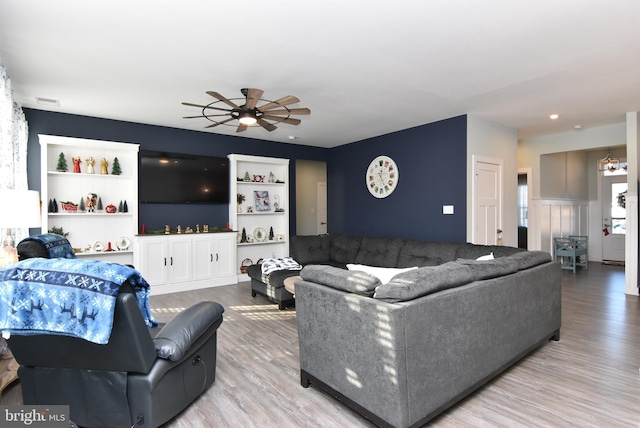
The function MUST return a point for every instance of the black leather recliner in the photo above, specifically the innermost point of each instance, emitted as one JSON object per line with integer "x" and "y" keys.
{"x": 135, "y": 379}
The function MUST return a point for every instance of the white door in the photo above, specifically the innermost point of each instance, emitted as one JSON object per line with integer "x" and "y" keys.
{"x": 614, "y": 190}
{"x": 322, "y": 208}
{"x": 487, "y": 202}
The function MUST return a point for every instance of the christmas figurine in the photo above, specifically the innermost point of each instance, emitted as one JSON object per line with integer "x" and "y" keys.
{"x": 90, "y": 163}
{"x": 76, "y": 163}
{"x": 103, "y": 166}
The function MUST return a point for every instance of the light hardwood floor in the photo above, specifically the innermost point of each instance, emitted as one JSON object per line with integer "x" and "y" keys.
{"x": 590, "y": 378}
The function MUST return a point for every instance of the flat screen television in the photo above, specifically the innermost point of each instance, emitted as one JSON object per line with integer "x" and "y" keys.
{"x": 177, "y": 178}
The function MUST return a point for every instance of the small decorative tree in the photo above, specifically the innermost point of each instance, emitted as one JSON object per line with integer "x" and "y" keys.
{"x": 244, "y": 235}
{"x": 62, "y": 163}
{"x": 81, "y": 206}
{"x": 115, "y": 168}
{"x": 125, "y": 207}
{"x": 99, "y": 206}
{"x": 271, "y": 233}
{"x": 120, "y": 207}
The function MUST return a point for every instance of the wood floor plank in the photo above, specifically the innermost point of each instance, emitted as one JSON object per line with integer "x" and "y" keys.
{"x": 590, "y": 378}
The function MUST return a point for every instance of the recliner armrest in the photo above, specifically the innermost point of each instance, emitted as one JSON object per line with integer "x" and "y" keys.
{"x": 174, "y": 340}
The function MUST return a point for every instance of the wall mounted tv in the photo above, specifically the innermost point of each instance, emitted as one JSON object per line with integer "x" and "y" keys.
{"x": 176, "y": 178}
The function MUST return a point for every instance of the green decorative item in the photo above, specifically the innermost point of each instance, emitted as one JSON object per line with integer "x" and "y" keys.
{"x": 99, "y": 206}
{"x": 58, "y": 231}
{"x": 125, "y": 207}
{"x": 244, "y": 235}
{"x": 115, "y": 168}
{"x": 271, "y": 233}
{"x": 81, "y": 206}
{"x": 62, "y": 163}
{"x": 120, "y": 207}
{"x": 247, "y": 177}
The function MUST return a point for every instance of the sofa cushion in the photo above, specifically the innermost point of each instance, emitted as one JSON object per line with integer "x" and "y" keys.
{"x": 310, "y": 249}
{"x": 379, "y": 252}
{"x": 425, "y": 280}
{"x": 528, "y": 259}
{"x": 485, "y": 269}
{"x": 344, "y": 248}
{"x": 384, "y": 274}
{"x": 473, "y": 251}
{"x": 357, "y": 282}
{"x": 420, "y": 253}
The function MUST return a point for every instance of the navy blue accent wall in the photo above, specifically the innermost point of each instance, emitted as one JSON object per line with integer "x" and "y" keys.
{"x": 432, "y": 161}
{"x": 151, "y": 137}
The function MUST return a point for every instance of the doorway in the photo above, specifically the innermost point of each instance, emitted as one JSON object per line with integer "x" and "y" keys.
{"x": 311, "y": 197}
{"x": 614, "y": 227}
{"x": 487, "y": 201}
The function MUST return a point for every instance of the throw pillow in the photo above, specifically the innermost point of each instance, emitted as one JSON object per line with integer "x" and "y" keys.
{"x": 383, "y": 274}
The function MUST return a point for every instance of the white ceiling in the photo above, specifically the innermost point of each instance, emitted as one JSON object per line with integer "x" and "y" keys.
{"x": 364, "y": 68}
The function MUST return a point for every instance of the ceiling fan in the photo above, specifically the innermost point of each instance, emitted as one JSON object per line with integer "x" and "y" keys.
{"x": 247, "y": 112}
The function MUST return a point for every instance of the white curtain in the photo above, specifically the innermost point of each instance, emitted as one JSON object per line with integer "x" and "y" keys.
{"x": 14, "y": 134}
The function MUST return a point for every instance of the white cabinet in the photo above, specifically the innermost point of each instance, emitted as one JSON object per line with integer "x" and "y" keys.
{"x": 86, "y": 229}
{"x": 264, "y": 183}
{"x": 180, "y": 262}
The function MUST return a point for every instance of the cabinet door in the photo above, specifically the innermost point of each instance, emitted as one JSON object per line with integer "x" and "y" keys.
{"x": 153, "y": 261}
{"x": 225, "y": 255}
{"x": 180, "y": 265}
{"x": 203, "y": 258}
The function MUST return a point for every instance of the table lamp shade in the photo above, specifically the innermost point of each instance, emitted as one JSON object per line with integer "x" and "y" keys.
{"x": 19, "y": 208}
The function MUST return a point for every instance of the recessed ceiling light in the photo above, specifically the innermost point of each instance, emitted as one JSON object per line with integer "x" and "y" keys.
{"x": 554, "y": 116}
{"x": 292, "y": 137}
{"x": 48, "y": 102}
{"x": 577, "y": 127}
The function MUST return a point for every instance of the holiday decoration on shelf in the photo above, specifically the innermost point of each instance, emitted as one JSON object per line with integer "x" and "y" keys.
{"x": 115, "y": 168}
{"x": 271, "y": 233}
{"x": 58, "y": 231}
{"x": 125, "y": 207}
{"x": 91, "y": 200}
{"x": 82, "y": 206}
{"x": 90, "y": 163}
{"x": 55, "y": 206}
{"x": 111, "y": 209}
{"x": 76, "y": 164}
{"x": 69, "y": 206}
{"x": 244, "y": 235}
{"x": 103, "y": 166}
{"x": 247, "y": 177}
{"x": 99, "y": 207}
{"x": 62, "y": 163}
{"x": 120, "y": 208}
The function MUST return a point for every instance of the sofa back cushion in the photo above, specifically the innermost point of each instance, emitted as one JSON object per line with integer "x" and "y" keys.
{"x": 310, "y": 249}
{"x": 381, "y": 252}
{"x": 528, "y": 259}
{"x": 421, "y": 253}
{"x": 425, "y": 280}
{"x": 357, "y": 282}
{"x": 485, "y": 269}
{"x": 344, "y": 248}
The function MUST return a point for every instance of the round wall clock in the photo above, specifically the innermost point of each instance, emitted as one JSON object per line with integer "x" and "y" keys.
{"x": 382, "y": 176}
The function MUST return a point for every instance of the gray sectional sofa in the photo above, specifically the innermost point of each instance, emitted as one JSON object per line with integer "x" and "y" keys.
{"x": 402, "y": 352}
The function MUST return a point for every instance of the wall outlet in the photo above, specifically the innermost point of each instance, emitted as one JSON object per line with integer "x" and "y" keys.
{"x": 447, "y": 209}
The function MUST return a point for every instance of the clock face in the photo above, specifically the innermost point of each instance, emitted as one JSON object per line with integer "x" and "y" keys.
{"x": 382, "y": 176}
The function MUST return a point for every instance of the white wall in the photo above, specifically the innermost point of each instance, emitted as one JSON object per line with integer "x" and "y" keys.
{"x": 491, "y": 140}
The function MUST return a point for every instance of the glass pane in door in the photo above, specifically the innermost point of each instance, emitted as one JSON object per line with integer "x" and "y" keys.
{"x": 618, "y": 208}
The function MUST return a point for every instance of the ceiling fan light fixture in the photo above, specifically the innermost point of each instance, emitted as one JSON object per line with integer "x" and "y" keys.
{"x": 247, "y": 118}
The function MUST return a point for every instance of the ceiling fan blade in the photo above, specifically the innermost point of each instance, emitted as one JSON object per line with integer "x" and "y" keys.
{"x": 223, "y": 99}
{"x": 266, "y": 125}
{"x": 201, "y": 106}
{"x": 220, "y": 123}
{"x": 291, "y": 111}
{"x": 204, "y": 115}
{"x": 289, "y": 120}
{"x": 284, "y": 101}
{"x": 253, "y": 96}
{"x": 241, "y": 127}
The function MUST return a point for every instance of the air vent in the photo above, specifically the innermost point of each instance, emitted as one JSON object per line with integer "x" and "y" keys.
{"x": 48, "y": 102}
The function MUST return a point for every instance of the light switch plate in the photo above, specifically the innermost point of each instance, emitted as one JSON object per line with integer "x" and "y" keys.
{"x": 447, "y": 209}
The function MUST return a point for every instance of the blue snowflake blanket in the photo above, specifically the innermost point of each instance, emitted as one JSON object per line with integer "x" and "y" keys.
{"x": 72, "y": 297}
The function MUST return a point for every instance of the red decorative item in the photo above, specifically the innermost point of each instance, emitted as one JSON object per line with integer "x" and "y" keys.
{"x": 109, "y": 247}
{"x": 111, "y": 209}
{"x": 144, "y": 229}
{"x": 605, "y": 231}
